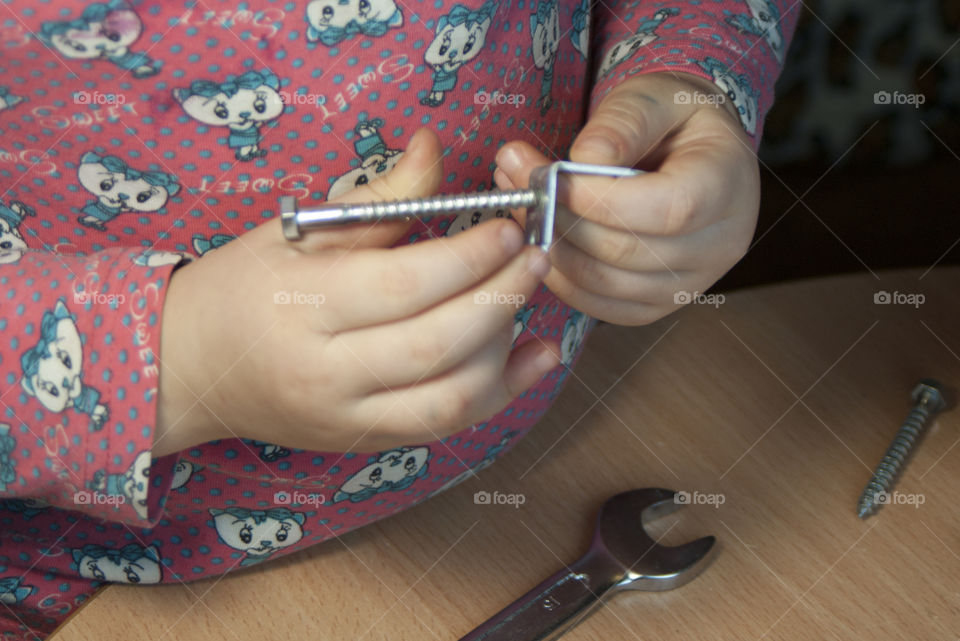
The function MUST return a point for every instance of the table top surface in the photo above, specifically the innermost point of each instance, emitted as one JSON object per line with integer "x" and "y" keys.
{"x": 773, "y": 407}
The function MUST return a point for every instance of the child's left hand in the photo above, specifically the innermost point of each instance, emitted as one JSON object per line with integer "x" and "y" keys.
{"x": 633, "y": 246}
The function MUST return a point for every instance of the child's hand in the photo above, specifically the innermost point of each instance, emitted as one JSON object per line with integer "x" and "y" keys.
{"x": 339, "y": 342}
{"x": 637, "y": 244}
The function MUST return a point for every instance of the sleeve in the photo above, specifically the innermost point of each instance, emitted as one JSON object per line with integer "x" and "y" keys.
{"x": 739, "y": 45}
{"x": 79, "y": 341}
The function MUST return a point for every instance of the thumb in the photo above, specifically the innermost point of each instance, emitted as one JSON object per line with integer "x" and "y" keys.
{"x": 626, "y": 125}
{"x": 417, "y": 174}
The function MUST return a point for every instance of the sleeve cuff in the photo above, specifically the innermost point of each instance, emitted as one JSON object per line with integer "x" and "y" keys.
{"x": 84, "y": 354}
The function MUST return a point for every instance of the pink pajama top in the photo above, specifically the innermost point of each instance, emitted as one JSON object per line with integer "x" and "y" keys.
{"x": 134, "y": 135}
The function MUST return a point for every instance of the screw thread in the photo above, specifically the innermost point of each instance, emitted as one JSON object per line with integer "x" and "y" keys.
{"x": 445, "y": 204}
{"x": 890, "y": 466}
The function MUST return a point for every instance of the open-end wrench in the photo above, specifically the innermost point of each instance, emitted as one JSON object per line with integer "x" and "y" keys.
{"x": 540, "y": 201}
{"x": 622, "y": 556}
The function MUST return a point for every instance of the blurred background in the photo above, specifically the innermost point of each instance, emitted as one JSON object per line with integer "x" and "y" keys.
{"x": 860, "y": 161}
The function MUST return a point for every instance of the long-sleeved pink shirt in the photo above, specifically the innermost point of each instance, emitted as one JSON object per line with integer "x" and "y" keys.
{"x": 133, "y": 134}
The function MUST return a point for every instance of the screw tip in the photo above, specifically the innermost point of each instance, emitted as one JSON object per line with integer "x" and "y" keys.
{"x": 866, "y": 508}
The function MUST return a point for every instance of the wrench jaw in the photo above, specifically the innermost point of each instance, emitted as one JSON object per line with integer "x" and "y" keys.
{"x": 646, "y": 564}
{"x": 675, "y": 567}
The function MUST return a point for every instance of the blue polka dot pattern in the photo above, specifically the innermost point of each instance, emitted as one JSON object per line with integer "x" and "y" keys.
{"x": 133, "y": 139}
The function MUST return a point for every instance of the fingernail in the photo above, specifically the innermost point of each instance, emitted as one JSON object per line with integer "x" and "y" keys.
{"x": 508, "y": 159}
{"x": 539, "y": 264}
{"x": 510, "y": 238}
{"x": 414, "y": 143}
{"x": 598, "y": 146}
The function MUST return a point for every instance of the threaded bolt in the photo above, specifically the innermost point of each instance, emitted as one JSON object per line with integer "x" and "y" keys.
{"x": 296, "y": 221}
{"x": 929, "y": 400}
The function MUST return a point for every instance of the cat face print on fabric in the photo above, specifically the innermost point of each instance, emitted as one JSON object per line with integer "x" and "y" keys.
{"x": 130, "y": 564}
{"x": 580, "y": 32}
{"x": 737, "y": 89}
{"x": 390, "y": 472}
{"x": 131, "y": 484}
{"x": 119, "y": 188}
{"x": 52, "y": 369}
{"x": 333, "y": 21}
{"x": 242, "y": 103}
{"x": 8, "y": 99}
{"x": 12, "y": 590}
{"x": 459, "y": 38}
{"x": 375, "y": 159}
{"x": 258, "y": 533}
{"x": 104, "y": 31}
{"x": 764, "y": 20}
{"x": 627, "y": 48}
{"x": 12, "y": 244}
{"x": 545, "y": 31}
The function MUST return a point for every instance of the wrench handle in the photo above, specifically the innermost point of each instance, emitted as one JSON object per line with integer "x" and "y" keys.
{"x": 553, "y": 607}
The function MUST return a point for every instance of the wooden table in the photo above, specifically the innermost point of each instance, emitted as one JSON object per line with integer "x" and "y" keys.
{"x": 781, "y": 400}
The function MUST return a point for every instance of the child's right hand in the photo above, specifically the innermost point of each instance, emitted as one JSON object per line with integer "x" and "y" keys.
{"x": 378, "y": 347}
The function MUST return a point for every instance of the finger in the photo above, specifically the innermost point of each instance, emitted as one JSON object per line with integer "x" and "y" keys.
{"x": 617, "y": 247}
{"x": 515, "y": 160}
{"x": 604, "y": 308}
{"x": 684, "y": 195}
{"x": 630, "y": 122}
{"x": 637, "y": 252}
{"x": 443, "y": 337}
{"x": 374, "y": 286}
{"x": 595, "y": 277}
{"x": 478, "y": 389}
{"x": 417, "y": 174}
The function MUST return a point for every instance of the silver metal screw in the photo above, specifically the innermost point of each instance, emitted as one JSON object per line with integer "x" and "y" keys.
{"x": 299, "y": 221}
{"x": 540, "y": 201}
{"x": 929, "y": 399}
